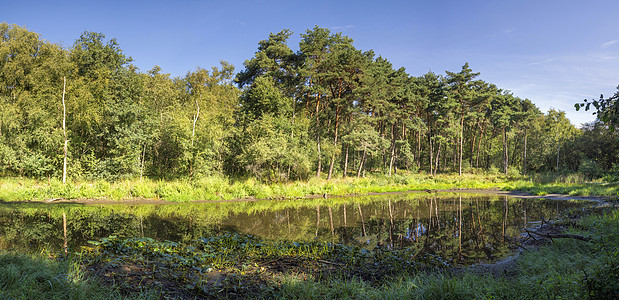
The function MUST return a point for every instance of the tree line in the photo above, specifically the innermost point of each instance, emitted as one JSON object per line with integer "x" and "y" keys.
{"x": 325, "y": 110}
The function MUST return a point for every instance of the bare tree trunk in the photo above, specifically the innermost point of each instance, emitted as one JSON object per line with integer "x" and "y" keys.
{"x": 346, "y": 162}
{"x": 319, "y": 155}
{"x": 461, "y": 142}
{"x": 456, "y": 151}
{"x": 361, "y": 163}
{"x": 64, "y": 130}
{"x": 392, "y": 159}
{"x": 505, "y": 153}
{"x": 431, "y": 152}
{"x": 195, "y": 119}
{"x": 318, "y": 138}
{"x": 142, "y": 165}
{"x": 334, "y": 146}
{"x": 193, "y": 133}
{"x": 438, "y": 155}
{"x": 481, "y": 137}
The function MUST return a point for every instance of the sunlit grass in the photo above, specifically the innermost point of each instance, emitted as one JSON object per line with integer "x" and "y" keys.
{"x": 214, "y": 188}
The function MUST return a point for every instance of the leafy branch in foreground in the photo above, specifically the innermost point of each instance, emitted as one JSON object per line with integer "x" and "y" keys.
{"x": 607, "y": 109}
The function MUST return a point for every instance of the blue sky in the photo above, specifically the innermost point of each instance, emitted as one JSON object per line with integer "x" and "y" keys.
{"x": 555, "y": 53}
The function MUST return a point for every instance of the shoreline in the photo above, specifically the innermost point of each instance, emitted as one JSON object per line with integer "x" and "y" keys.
{"x": 141, "y": 201}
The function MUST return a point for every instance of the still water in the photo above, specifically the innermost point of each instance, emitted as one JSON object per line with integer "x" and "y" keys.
{"x": 461, "y": 227}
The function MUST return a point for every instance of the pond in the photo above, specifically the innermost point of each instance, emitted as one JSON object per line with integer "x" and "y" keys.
{"x": 463, "y": 228}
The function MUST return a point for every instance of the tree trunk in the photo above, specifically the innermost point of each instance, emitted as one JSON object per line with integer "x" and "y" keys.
{"x": 505, "y": 153}
{"x": 319, "y": 156}
{"x": 64, "y": 130}
{"x": 456, "y": 152}
{"x": 431, "y": 152}
{"x": 419, "y": 150}
{"x": 361, "y": 164}
{"x": 481, "y": 137}
{"x": 472, "y": 148}
{"x": 392, "y": 159}
{"x": 438, "y": 155}
{"x": 195, "y": 119}
{"x": 318, "y": 138}
{"x": 461, "y": 142}
{"x": 346, "y": 162}
{"x": 337, "y": 123}
{"x": 142, "y": 164}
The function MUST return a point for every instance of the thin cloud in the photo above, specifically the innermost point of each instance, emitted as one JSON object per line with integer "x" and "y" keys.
{"x": 545, "y": 61}
{"x": 338, "y": 28}
{"x": 609, "y": 43}
{"x": 504, "y": 32}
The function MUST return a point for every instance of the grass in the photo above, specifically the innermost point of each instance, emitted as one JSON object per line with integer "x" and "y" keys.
{"x": 571, "y": 184}
{"x": 36, "y": 276}
{"x": 215, "y": 188}
{"x": 221, "y": 188}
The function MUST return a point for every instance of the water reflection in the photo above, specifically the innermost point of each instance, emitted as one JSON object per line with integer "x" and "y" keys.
{"x": 463, "y": 228}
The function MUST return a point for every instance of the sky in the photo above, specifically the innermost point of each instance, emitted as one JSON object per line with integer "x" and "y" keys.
{"x": 554, "y": 52}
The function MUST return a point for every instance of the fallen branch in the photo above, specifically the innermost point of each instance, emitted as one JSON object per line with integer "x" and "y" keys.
{"x": 559, "y": 235}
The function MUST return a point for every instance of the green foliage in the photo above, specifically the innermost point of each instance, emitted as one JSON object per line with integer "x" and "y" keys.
{"x": 292, "y": 114}
{"x": 589, "y": 168}
{"x": 607, "y": 110}
{"x": 613, "y": 174}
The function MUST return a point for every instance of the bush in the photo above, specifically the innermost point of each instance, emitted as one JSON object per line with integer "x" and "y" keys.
{"x": 612, "y": 175}
{"x": 36, "y": 165}
{"x": 589, "y": 168}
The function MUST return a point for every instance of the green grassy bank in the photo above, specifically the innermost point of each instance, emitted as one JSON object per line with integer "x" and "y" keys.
{"x": 221, "y": 188}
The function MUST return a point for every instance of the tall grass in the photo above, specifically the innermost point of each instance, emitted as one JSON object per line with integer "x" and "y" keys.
{"x": 215, "y": 188}
{"x": 38, "y": 277}
{"x": 222, "y": 188}
{"x": 569, "y": 184}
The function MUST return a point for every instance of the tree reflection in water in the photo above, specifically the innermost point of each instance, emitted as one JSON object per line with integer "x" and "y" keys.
{"x": 461, "y": 227}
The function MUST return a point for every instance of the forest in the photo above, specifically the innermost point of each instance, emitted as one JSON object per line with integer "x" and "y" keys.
{"x": 328, "y": 109}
